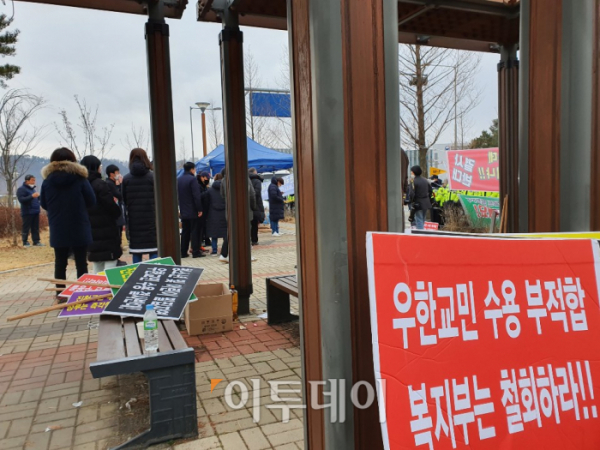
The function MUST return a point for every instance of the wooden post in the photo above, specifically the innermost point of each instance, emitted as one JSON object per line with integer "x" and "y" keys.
{"x": 236, "y": 160}
{"x": 163, "y": 135}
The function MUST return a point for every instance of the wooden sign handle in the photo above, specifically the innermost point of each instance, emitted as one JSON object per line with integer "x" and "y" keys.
{"x": 79, "y": 283}
{"x": 56, "y": 307}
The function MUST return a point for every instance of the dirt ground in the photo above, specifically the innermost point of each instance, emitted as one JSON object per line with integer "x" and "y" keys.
{"x": 19, "y": 257}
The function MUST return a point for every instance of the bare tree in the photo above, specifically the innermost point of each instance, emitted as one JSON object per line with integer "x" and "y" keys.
{"x": 437, "y": 87}
{"x": 465, "y": 124}
{"x": 18, "y": 138}
{"x": 183, "y": 155}
{"x": 280, "y": 128}
{"x": 137, "y": 138}
{"x": 94, "y": 142}
{"x": 215, "y": 127}
{"x": 269, "y": 130}
{"x": 256, "y": 126}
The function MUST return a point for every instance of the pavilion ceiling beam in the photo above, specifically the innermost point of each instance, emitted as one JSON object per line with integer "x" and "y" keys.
{"x": 463, "y": 5}
{"x": 173, "y": 9}
{"x": 447, "y": 42}
{"x": 414, "y": 15}
{"x": 456, "y": 24}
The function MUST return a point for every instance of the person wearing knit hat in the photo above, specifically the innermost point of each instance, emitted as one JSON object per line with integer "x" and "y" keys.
{"x": 421, "y": 196}
{"x": 105, "y": 249}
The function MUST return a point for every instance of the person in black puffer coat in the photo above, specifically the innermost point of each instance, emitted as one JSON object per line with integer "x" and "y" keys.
{"x": 216, "y": 220}
{"x": 251, "y": 206}
{"x": 106, "y": 248}
{"x": 203, "y": 182}
{"x": 275, "y": 204}
{"x": 259, "y": 213}
{"x": 66, "y": 195}
{"x": 190, "y": 210}
{"x": 138, "y": 196}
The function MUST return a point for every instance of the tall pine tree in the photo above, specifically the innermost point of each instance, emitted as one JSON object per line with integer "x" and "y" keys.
{"x": 487, "y": 139}
{"x": 8, "y": 39}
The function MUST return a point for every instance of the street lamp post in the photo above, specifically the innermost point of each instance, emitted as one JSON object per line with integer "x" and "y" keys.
{"x": 455, "y": 106}
{"x": 192, "y": 131}
{"x": 202, "y": 106}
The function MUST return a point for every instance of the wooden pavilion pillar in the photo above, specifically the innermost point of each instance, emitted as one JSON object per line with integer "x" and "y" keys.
{"x": 236, "y": 158}
{"x": 558, "y": 116}
{"x": 595, "y": 166}
{"x": 508, "y": 122}
{"x": 347, "y": 153}
{"x": 163, "y": 135}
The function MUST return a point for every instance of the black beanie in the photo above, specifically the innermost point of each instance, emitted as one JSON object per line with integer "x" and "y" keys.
{"x": 416, "y": 170}
{"x": 91, "y": 163}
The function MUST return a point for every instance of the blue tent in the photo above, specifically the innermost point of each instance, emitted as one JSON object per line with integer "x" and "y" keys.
{"x": 262, "y": 158}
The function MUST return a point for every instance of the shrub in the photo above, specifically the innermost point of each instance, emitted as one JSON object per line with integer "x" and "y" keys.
{"x": 456, "y": 220}
{"x": 6, "y": 214}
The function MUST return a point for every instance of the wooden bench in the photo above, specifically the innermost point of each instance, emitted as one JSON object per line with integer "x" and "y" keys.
{"x": 170, "y": 372}
{"x": 279, "y": 290}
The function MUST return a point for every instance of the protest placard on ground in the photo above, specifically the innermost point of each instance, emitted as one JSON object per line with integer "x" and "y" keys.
{"x": 498, "y": 348}
{"x": 118, "y": 275}
{"x": 475, "y": 170}
{"x": 167, "y": 287}
{"x": 85, "y": 309}
{"x": 87, "y": 278}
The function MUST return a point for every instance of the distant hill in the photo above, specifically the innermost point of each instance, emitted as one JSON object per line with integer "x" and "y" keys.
{"x": 36, "y": 163}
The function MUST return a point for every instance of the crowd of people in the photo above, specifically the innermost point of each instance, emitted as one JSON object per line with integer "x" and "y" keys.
{"x": 203, "y": 210}
{"x": 88, "y": 213}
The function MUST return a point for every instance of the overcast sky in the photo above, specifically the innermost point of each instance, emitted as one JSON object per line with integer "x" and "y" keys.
{"x": 101, "y": 56}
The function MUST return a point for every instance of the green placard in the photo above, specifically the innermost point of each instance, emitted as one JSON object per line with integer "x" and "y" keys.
{"x": 479, "y": 209}
{"x": 118, "y": 275}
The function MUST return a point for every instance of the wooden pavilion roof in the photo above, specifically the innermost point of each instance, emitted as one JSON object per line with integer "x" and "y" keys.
{"x": 466, "y": 24}
{"x": 173, "y": 8}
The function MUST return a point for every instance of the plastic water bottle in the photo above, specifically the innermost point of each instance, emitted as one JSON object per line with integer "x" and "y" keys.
{"x": 150, "y": 330}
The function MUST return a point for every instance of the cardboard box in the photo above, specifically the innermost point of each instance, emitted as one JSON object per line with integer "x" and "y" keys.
{"x": 212, "y": 312}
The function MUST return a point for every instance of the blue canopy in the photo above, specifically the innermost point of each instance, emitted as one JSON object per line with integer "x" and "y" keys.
{"x": 263, "y": 159}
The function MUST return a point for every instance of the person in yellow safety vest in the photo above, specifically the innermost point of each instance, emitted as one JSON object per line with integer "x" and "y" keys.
{"x": 442, "y": 195}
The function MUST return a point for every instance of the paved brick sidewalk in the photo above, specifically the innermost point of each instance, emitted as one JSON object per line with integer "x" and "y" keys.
{"x": 44, "y": 369}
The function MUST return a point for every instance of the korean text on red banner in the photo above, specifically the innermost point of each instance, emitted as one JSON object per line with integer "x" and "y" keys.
{"x": 499, "y": 346}
{"x": 474, "y": 170}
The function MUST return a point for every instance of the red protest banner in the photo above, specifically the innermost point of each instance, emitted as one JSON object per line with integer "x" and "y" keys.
{"x": 87, "y": 278}
{"x": 499, "y": 349}
{"x": 432, "y": 226}
{"x": 474, "y": 170}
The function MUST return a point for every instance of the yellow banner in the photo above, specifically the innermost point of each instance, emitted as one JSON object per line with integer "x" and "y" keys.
{"x": 477, "y": 193}
{"x": 435, "y": 171}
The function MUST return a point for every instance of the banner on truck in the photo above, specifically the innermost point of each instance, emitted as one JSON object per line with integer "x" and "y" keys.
{"x": 474, "y": 170}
